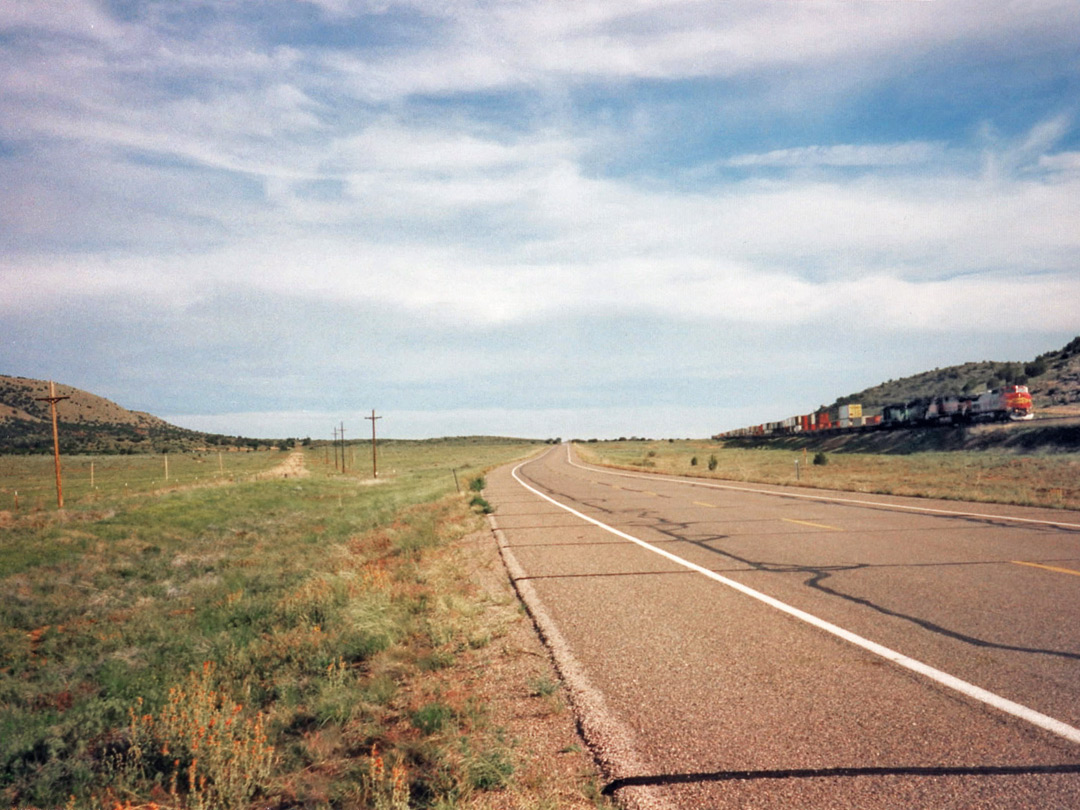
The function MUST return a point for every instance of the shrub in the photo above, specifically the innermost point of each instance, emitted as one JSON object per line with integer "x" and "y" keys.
{"x": 1036, "y": 369}
{"x": 478, "y": 484}
{"x": 432, "y": 718}
{"x": 221, "y": 753}
{"x": 543, "y": 687}
{"x": 820, "y": 459}
{"x": 385, "y": 790}
{"x": 480, "y": 503}
{"x": 488, "y": 769}
{"x": 693, "y": 461}
{"x": 712, "y": 463}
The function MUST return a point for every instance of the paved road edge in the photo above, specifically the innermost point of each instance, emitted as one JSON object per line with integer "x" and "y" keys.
{"x": 610, "y": 742}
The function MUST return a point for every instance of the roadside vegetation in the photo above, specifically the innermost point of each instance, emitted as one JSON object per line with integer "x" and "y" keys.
{"x": 296, "y": 642}
{"x": 1036, "y": 480}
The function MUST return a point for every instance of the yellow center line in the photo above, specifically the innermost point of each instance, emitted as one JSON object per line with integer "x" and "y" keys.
{"x": 702, "y": 503}
{"x": 815, "y": 525}
{"x": 1047, "y": 567}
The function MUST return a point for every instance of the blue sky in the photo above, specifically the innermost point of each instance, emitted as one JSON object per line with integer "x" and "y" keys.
{"x": 597, "y": 218}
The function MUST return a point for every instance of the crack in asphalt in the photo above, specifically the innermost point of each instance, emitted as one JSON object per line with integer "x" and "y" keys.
{"x": 820, "y": 573}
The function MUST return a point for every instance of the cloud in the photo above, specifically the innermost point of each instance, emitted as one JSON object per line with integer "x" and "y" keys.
{"x": 1060, "y": 162}
{"x": 860, "y": 155}
{"x": 452, "y": 200}
{"x": 515, "y": 44}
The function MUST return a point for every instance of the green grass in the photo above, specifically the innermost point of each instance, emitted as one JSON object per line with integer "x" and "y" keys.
{"x": 998, "y": 477}
{"x": 90, "y": 480}
{"x": 302, "y": 614}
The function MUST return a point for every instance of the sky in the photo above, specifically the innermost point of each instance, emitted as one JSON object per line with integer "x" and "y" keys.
{"x": 535, "y": 218}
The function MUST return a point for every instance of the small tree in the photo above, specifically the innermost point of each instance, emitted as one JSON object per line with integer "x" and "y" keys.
{"x": 712, "y": 463}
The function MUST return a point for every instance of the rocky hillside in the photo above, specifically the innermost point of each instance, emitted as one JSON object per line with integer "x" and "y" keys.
{"x": 1054, "y": 380}
{"x": 89, "y": 424}
{"x": 20, "y": 400}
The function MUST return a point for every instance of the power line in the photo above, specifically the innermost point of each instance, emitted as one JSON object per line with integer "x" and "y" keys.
{"x": 374, "y": 462}
{"x": 52, "y": 400}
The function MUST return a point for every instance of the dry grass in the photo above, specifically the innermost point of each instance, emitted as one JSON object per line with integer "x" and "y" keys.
{"x": 1035, "y": 480}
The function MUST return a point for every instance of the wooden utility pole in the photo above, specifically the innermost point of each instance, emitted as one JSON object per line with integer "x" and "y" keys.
{"x": 374, "y": 462}
{"x": 341, "y": 433}
{"x": 52, "y": 399}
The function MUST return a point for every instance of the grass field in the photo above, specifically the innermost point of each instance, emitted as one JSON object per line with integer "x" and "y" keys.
{"x": 267, "y": 642}
{"x": 1037, "y": 480}
{"x": 98, "y": 479}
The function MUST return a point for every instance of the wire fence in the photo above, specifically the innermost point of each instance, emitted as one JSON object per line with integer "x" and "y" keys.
{"x": 30, "y": 481}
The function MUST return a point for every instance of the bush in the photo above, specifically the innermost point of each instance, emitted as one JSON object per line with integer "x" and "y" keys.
{"x": 712, "y": 463}
{"x": 693, "y": 461}
{"x": 432, "y": 718}
{"x": 820, "y": 459}
{"x": 478, "y": 484}
{"x": 480, "y": 503}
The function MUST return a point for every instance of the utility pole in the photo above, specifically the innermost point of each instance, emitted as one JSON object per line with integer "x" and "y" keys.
{"x": 341, "y": 433}
{"x": 374, "y": 462}
{"x": 52, "y": 399}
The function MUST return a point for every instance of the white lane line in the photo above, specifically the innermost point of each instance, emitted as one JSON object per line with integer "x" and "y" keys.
{"x": 853, "y": 501}
{"x": 1039, "y": 719}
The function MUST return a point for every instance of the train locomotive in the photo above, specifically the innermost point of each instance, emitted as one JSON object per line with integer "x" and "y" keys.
{"x": 1011, "y": 402}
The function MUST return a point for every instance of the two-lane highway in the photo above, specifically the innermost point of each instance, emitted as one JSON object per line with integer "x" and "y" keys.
{"x": 742, "y": 645}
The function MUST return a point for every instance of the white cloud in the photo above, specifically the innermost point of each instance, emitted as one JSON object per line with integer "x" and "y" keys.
{"x": 171, "y": 164}
{"x": 1060, "y": 162}
{"x": 854, "y": 155}
{"x": 526, "y": 43}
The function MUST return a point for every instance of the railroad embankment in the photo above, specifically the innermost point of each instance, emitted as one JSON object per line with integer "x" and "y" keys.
{"x": 1058, "y": 435}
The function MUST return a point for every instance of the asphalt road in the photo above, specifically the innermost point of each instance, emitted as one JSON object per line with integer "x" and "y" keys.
{"x": 915, "y": 653}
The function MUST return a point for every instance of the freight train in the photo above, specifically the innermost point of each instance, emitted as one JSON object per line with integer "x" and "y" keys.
{"x": 1012, "y": 402}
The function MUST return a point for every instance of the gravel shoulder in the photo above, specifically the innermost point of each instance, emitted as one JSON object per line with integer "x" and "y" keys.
{"x": 515, "y": 676}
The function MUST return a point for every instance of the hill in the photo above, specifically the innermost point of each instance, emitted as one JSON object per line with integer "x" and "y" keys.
{"x": 1053, "y": 379}
{"x": 90, "y": 424}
